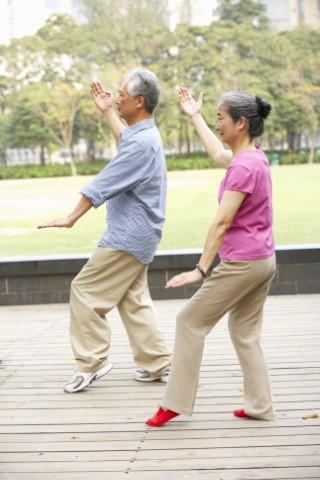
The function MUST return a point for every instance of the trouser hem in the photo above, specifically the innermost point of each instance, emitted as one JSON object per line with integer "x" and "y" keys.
{"x": 175, "y": 408}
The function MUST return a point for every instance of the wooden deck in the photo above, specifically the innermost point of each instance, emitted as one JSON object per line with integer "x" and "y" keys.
{"x": 100, "y": 434}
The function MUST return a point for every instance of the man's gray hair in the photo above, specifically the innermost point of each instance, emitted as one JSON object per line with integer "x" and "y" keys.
{"x": 141, "y": 81}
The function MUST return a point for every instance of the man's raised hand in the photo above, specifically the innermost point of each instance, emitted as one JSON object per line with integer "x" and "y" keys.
{"x": 102, "y": 98}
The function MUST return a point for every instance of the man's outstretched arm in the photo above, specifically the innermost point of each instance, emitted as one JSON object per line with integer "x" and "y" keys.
{"x": 104, "y": 102}
{"x": 80, "y": 209}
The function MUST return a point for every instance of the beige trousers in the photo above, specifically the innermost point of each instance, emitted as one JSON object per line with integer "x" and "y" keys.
{"x": 238, "y": 287}
{"x": 112, "y": 278}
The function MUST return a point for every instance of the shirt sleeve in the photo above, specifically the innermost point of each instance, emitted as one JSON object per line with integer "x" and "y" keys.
{"x": 240, "y": 178}
{"x": 124, "y": 172}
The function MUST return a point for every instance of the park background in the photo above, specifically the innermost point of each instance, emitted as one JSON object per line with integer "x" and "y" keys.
{"x": 50, "y": 128}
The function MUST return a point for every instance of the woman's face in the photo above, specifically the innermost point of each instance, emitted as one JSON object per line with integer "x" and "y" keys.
{"x": 228, "y": 129}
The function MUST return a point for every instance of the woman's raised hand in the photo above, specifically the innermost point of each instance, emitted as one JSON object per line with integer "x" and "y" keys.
{"x": 190, "y": 106}
{"x": 102, "y": 98}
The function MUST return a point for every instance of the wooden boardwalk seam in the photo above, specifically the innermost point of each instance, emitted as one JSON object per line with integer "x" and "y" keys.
{"x": 100, "y": 433}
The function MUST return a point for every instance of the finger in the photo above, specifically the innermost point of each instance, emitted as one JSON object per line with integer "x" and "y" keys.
{"x": 99, "y": 87}
{"x": 93, "y": 89}
{"x": 174, "y": 282}
{"x": 200, "y": 98}
{"x": 186, "y": 94}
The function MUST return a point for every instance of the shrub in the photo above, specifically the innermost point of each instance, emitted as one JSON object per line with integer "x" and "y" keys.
{"x": 192, "y": 161}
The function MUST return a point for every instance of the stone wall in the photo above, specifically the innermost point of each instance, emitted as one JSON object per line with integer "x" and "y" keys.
{"x": 47, "y": 279}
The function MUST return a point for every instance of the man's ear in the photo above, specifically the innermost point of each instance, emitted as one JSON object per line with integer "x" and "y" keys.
{"x": 140, "y": 101}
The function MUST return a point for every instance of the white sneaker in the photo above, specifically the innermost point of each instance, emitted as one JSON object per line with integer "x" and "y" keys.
{"x": 142, "y": 375}
{"x": 81, "y": 380}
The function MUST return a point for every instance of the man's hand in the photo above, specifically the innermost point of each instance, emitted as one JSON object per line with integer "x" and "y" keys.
{"x": 188, "y": 104}
{"x": 66, "y": 222}
{"x": 102, "y": 98}
{"x": 185, "y": 278}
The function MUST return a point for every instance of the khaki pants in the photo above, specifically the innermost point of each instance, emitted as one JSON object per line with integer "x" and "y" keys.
{"x": 239, "y": 287}
{"x": 114, "y": 278}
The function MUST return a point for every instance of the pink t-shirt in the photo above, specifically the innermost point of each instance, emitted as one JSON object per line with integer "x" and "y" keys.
{"x": 250, "y": 235}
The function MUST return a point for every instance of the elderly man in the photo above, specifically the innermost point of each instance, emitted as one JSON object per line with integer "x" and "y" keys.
{"x": 133, "y": 185}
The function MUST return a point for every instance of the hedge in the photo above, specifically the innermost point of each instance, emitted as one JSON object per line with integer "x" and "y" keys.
{"x": 193, "y": 161}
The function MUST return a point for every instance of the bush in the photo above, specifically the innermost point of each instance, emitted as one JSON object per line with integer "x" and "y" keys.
{"x": 34, "y": 171}
{"x": 192, "y": 161}
{"x": 294, "y": 158}
{"x": 54, "y": 170}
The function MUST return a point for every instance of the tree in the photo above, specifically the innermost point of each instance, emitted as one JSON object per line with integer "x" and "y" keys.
{"x": 56, "y": 109}
{"x": 249, "y": 12}
{"x": 25, "y": 129}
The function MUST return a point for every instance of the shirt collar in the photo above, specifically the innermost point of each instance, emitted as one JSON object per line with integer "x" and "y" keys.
{"x": 136, "y": 127}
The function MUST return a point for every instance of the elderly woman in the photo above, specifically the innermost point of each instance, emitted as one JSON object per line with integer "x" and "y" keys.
{"x": 241, "y": 233}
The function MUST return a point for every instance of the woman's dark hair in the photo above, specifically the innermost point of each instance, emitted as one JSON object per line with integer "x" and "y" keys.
{"x": 253, "y": 108}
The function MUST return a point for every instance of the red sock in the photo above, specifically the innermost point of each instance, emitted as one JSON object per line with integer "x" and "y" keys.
{"x": 161, "y": 417}
{"x": 240, "y": 413}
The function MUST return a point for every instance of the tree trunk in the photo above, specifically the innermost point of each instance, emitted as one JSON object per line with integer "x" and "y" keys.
{"x": 42, "y": 156}
{"x": 290, "y": 138}
{"x": 91, "y": 150}
{"x": 313, "y": 142}
{"x": 73, "y": 167}
{"x": 187, "y": 139}
{"x": 180, "y": 140}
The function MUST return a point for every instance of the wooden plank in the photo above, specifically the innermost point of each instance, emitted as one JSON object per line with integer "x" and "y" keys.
{"x": 160, "y": 465}
{"x": 304, "y": 473}
{"x": 131, "y": 400}
{"x": 164, "y": 455}
{"x": 206, "y": 425}
{"x": 229, "y": 462}
{"x": 160, "y": 434}
{"x": 100, "y": 433}
{"x": 157, "y": 444}
{"x": 64, "y": 476}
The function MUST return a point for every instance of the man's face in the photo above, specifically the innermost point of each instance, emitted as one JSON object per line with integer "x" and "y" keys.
{"x": 127, "y": 105}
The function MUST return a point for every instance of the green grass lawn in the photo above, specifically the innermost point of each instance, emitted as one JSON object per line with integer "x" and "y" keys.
{"x": 192, "y": 201}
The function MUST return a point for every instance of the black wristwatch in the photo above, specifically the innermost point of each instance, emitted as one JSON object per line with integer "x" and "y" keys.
{"x": 203, "y": 273}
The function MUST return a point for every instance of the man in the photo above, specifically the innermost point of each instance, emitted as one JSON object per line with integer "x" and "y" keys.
{"x": 134, "y": 186}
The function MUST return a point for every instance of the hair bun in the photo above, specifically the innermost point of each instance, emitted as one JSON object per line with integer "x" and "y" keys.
{"x": 264, "y": 108}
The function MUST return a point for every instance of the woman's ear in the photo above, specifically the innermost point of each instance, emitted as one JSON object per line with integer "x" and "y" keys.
{"x": 242, "y": 124}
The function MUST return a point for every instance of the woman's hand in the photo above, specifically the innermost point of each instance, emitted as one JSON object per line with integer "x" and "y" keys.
{"x": 188, "y": 104}
{"x": 66, "y": 222}
{"x": 185, "y": 278}
{"x": 102, "y": 98}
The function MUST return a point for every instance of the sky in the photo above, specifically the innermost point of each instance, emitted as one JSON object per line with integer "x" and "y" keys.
{"x": 29, "y": 15}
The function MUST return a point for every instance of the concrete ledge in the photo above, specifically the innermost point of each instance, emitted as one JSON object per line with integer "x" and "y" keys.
{"x": 46, "y": 279}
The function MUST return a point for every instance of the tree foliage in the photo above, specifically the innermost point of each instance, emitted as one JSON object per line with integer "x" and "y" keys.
{"x": 44, "y": 78}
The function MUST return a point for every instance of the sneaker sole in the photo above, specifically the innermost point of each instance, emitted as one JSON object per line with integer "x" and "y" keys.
{"x": 147, "y": 379}
{"x": 99, "y": 374}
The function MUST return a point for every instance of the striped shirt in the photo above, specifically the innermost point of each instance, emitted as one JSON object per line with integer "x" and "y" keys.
{"x": 134, "y": 186}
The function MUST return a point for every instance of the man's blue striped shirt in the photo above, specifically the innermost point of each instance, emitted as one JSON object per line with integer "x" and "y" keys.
{"x": 134, "y": 187}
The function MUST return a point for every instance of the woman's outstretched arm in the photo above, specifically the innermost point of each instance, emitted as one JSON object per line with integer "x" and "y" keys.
{"x": 230, "y": 204}
{"x": 212, "y": 144}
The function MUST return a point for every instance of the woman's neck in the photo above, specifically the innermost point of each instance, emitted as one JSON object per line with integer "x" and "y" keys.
{"x": 242, "y": 145}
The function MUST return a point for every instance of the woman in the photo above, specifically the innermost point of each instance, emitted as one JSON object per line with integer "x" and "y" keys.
{"x": 241, "y": 232}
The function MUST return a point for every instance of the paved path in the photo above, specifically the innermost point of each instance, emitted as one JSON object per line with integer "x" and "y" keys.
{"x": 100, "y": 434}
